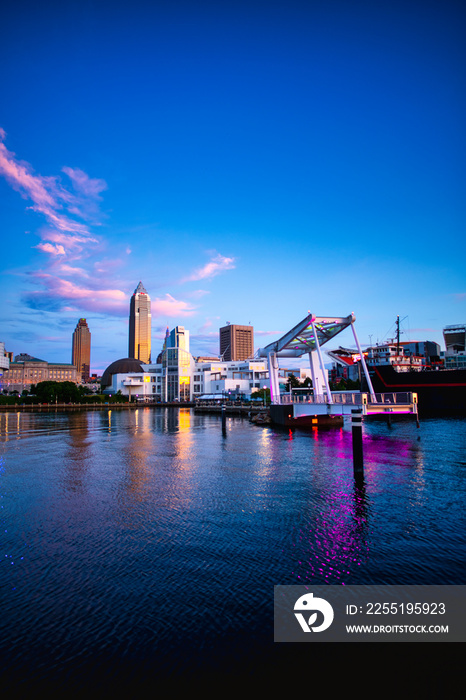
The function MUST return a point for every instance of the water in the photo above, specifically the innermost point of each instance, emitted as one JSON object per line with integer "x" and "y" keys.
{"x": 145, "y": 544}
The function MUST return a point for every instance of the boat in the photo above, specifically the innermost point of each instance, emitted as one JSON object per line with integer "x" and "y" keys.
{"x": 440, "y": 392}
{"x": 441, "y": 389}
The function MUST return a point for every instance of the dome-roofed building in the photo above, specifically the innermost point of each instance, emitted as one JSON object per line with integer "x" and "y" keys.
{"x": 126, "y": 365}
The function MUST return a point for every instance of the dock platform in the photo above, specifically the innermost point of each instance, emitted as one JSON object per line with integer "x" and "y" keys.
{"x": 317, "y": 410}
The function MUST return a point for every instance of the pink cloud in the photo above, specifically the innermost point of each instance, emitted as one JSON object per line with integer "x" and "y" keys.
{"x": 208, "y": 323}
{"x": 70, "y": 243}
{"x": 68, "y": 295}
{"x": 73, "y": 271}
{"x": 52, "y": 249}
{"x": 107, "y": 266}
{"x": 198, "y": 293}
{"x": 218, "y": 264}
{"x": 169, "y": 306}
{"x": 90, "y": 187}
{"x": 48, "y": 195}
{"x": 21, "y": 178}
{"x": 86, "y": 195}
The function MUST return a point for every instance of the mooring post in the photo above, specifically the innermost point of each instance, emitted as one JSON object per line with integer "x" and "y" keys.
{"x": 224, "y": 419}
{"x": 356, "y": 426}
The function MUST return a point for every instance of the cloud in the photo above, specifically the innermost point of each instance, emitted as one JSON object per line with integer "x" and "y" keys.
{"x": 74, "y": 244}
{"x": 66, "y": 238}
{"x": 90, "y": 187}
{"x": 48, "y": 196}
{"x": 198, "y": 293}
{"x": 72, "y": 271}
{"x": 217, "y": 264}
{"x": 208, "y": 323}
{"x": 85, "y": 199}
{"x": 59, "y": 293}
{"x": 52, "y": 249}
{"x": 169, "y": 306}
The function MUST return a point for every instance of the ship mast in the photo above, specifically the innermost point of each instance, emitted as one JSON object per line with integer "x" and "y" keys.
{"x": 397, "y": 335}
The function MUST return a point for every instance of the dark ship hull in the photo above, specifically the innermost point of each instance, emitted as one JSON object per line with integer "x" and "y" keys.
{"x": 440, "y": 392}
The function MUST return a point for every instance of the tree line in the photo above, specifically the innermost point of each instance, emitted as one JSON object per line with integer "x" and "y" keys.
{"x": 59, "y": 392}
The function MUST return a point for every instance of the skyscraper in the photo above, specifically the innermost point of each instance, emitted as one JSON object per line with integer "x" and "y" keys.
{"x": 140, "y": 325}
{"x": 236, "y": 342}
{"x": 81, "y": 351}
{"x": 179, "y": 338}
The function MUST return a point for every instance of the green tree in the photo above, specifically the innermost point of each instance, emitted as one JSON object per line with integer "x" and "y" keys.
{"x": 292, "y": 383}
{"x": 261, "y": 394}
{"x": 57, "y": 392}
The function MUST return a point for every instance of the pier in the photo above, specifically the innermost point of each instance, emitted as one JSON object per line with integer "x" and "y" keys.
{"x": 302, "y": 410}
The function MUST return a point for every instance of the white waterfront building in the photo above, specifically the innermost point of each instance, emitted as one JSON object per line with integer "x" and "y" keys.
{"x": 4, "y": 359}
{"x": 178, "y": 376}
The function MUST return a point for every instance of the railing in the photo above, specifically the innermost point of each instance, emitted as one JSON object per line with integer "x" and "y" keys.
{"x": 356, "y": 399}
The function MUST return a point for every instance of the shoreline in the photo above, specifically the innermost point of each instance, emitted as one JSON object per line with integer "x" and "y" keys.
{"x": 47, "y": 408}
{"x": 39, "y": 408}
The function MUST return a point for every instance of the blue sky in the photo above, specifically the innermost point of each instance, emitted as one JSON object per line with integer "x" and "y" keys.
{"x": 247, "y": 162}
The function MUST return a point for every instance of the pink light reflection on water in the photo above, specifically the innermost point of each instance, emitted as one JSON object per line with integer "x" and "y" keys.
{"x": 337, "y": 539}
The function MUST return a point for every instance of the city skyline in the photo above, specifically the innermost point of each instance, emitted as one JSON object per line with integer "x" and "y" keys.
{"x": 247, "y": 163}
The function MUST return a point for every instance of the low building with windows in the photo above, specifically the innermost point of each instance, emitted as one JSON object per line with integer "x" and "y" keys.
{"x": 180, "y": 377}
{"x": 177, "y": 376}
{"x": 4, "y": 359}
{"x": 455, "y": 344}
{"x": 27, "y": 370}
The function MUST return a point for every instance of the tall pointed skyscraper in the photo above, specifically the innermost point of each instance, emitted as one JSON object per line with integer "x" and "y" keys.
{"x": 140, "y": 325}
{"x": 81, "y": 351}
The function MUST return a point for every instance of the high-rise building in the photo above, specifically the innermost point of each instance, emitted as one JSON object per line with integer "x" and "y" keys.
{"x": 140, "y": 325}
{"x": 236, "y": 342}
{"x": 81, "y": 351}
{"x": 177, "y": 363}
{"x": 179, "y": 338}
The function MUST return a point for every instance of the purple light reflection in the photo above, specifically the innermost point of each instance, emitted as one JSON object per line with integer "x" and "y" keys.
{"x": 337, "y": 538}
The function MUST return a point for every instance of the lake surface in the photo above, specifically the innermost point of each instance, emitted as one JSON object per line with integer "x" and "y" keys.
{"x": 146, "y": 544}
